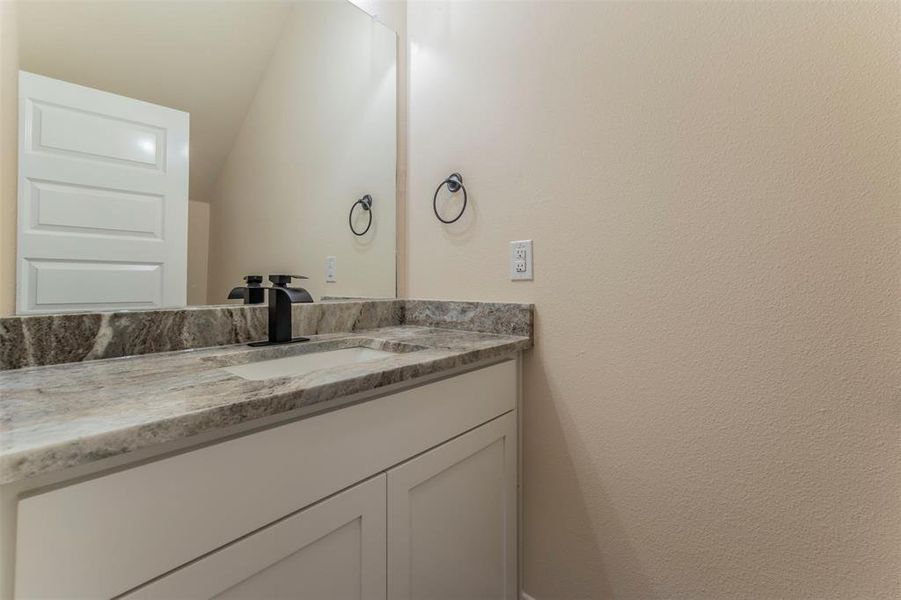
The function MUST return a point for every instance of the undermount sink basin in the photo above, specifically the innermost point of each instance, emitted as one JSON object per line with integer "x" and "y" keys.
{"x": 304, "y": 363}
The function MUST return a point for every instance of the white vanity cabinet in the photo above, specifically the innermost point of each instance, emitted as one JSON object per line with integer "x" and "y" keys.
{"x": 410, "y": 495}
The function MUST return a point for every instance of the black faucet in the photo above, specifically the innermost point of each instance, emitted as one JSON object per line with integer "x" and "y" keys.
{"x": 281, "y": 297}
{"x": 252, "y": 293}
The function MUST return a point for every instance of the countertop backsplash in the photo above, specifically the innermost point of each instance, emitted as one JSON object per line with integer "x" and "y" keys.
{"x": 38, "y": 340}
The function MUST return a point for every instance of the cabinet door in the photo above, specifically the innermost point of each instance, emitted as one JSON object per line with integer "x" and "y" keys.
{"x": 334, "y": 550}
{"x": 452, "y": 519}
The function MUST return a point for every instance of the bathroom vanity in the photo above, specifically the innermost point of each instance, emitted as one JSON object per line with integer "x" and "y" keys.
{"x": 373, "y": 463}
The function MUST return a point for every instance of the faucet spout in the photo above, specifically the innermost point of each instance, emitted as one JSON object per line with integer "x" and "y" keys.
{"x": 281, "y": 297}
{"x": 280, "y": 301}
{"x": 295, "y": 295}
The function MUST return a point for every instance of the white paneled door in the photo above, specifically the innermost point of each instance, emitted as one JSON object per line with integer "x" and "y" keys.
{"x": 103, "y": 200}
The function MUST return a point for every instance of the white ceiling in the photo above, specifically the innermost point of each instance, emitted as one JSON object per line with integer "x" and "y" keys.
{"x": 203, "y": 57}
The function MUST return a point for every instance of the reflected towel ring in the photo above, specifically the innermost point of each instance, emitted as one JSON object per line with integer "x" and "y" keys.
{"x": 366, "y": 203}
{"x": 454, "y": 183}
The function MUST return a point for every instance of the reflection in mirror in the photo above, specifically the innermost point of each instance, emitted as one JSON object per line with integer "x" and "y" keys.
{"x": 169, "y": 149}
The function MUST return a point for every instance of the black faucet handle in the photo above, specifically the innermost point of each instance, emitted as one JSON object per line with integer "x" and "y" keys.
{"x": 253, "y": 279}
{"x": 284, "y": 279}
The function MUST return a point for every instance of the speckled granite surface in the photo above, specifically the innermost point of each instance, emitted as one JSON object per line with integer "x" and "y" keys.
{"x": 54, "y": 417}
{"x": 56, "y": 339}
{"x": 497, "y": 317}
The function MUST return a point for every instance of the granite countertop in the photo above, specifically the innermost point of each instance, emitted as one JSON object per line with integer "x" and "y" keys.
{"x": 59, "y": 416}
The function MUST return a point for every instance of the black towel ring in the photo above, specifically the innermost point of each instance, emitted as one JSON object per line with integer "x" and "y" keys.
{"x": 454, "y": 183}
{"x": 366, "y": 203}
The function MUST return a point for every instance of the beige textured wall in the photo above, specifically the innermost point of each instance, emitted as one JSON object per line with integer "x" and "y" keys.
{"x": 318, "y": 135}
{"x": 712, "y": 409}
{"x": 198, "y": 252}
{"x": 9, "y": 94}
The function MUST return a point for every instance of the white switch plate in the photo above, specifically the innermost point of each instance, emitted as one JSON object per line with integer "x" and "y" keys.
{"x": 331, "y": 269}
{"x": 521, "y": 260}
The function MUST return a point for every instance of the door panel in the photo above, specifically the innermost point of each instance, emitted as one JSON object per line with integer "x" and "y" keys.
{"x": 334, "y": 550}
{"x": 91, "y": 136}
{"x": 86, "y": 284}
{"x": 452, "y": 519}
{"x": 103, "y": 200}
{"x": 90, "y": 210}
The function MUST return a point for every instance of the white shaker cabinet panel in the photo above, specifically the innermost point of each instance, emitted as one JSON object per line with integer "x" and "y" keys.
{"x": 452, "y": 519}
{"x": 334, "y": 550}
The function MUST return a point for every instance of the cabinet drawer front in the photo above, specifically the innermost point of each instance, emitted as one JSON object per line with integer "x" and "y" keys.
{"x": 104, "y": 536}
{"x": 333, "y": 549}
